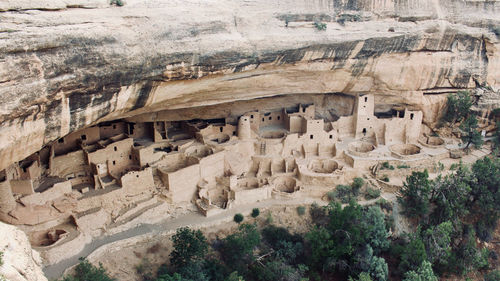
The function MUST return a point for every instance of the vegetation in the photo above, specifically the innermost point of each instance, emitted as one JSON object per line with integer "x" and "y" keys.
{"x": 320, "y": 25}
{"x": 85, "y": 271}
{"x": 345, "y": 193}
{"x": 238, "y": 218}
{"x": 404, "y": 166}
{"x": 385, "y": 178}
{"x": 255, "y": 212}
{"x": 301, "y": 210}
{"x": 470, "y": 134}
{"x": 458, "y": 107}
{"x": 387, "y": 166}
{"x": 118, "y": 3}
{"x": 1, "y": 258}
{"x": 372, "y": 193}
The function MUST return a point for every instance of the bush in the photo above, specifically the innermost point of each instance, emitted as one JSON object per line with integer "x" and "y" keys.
{"x": 372, "y": 193}
{"x": 332, "y": 195}
{"x": 384, "y": 204}
{"x": 1, "y": 258}
{"x": 356, "y": 185}
{"x": 255, "y": 212}
{"x": 301, "y": 210}
{"x": 404, "y": 166}
{"x": 118, "y": 3}
{"x": 343, "y": 193}
{"x": 145, "y": 270}
{"x": 454, "y": 166}
{"x": 320, "y": 25}
{"x": 458, "y": 106}
{"x": 238, "y": 218}
{"x": 189, "y": 246}
{"x": 385, "y": 165}
{"x": 492, "y": 276}
{"x": 85, "y": 271}
{"x": 385, "y": 178}
{"x": 269, "y": 218}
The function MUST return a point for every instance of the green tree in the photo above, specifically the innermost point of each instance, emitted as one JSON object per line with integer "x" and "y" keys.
{"x": 238, "y": 218}
{"x": 470, "y": 134}
{"x": 255, "y": 212}
{"x": 356, "y": 185}
{"x": 437, "y": 241}
{"x": 415, "y": 195}
{"x": 492, "y": 276}
{"x": 458, "y": 106}
{"x": 451, "y": 196}
{"x": 234, "y": 277}
{"x": 189, "y": 246}
{"x": 86, "y": 271}
{"x": 423, "y": 273}
{"x": 413, "y": 254}
{"x": 237, "y": 248}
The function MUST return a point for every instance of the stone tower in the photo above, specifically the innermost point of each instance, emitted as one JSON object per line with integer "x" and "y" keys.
{"x": 244, "y": 131}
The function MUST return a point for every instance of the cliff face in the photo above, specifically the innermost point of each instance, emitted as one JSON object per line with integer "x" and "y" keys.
{"x": 67, "y": 64}
{"x": 20, "y": 262}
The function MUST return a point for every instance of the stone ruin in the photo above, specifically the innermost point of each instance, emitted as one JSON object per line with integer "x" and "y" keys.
{"x": 92, "y": 180}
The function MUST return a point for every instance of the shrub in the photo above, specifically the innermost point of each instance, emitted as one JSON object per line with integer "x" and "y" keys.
{"x": 189, "y": 246}
{"x": 301, "y": 210}
{"x": 269, "y": 218}
{"x": 145, "y": 270}
{"x": 255, "y": 212}
{"x": 86, "y": 271}
{"x": 320, "y": 25}
{"x": 343, "y": 193}
{"x": 356, "y": 185}
{"x": 404, "y": 166}
{"x": 385, "y": 178}
{"x": 454, "y": 166}
{"x": 458, "y": 106}
{"x": 372, "y": 193}
{"x": 385, "y": 165}
{"x": 238, "y": 218}
{"x": 331, "y": 195}
{"x": 384, "y": 204}
{"x": 493, "y": 275}
{"x": 1, "y": 258}
{"x": 118, "y": 3}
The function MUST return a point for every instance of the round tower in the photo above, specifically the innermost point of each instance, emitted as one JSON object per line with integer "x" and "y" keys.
{"x": 244, "y": 131}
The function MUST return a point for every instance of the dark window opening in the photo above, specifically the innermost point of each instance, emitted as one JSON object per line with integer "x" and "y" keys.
{"x": 84, "y": 137}
{"x": 130, "y": 157}
{"x": 131, "y": 129}
{"x": 368, "y": 119}
{"x": 61, "y": 140}
{"x": 311, "y": 136}
{"x": 331, "y": 137}
{"x": 278, "y": 117}
{"x": 262, "y": 119}
{"x": 411, "y": 116}
{"x": 251, "y": 116}
{"x": 114, "y": 126}
{"x": 220, "y": 129}
{"x": 364, "y": 131}
{"x": 270, "y": 118}
{"x": 115, "y": 148}
{"x": 234, "y": 133}
{"x": 114, "y": 163}
{"x": 136, "y": 176}
{"x": 366, "y": 99}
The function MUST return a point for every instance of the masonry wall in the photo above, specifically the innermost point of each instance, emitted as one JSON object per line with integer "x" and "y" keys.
{"x": 135, "y": 182}
{"x": 71, "y": 141}
{"x": 111, "y": 130}
{"x": 249, "y": 196}
{"x": 212, "y": 165}
{"x": 68, "y": 164}
{"x": 117, "y": 155}
{"x": 182, "y": 184}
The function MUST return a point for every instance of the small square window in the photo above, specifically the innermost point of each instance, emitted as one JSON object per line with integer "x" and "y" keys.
{"x": 114, "y": 162}
{"x": 311, "y": 136}
{"x": 61, "y": 140}
{"x": 114, "y": 127}
{"x": 331, "y": 137}
{"x": 130, "y": 157}
{"x": 270, "y": 118}
{"x": 251, "y": 116}
{"x": 115, "y": 148}
{"x": 84, "y": 137}
{"x": 278, "y": 117}
{"x": 262, "y": 119}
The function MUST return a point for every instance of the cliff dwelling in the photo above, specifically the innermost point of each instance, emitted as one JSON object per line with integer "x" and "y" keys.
{"x": 123, "y": 120}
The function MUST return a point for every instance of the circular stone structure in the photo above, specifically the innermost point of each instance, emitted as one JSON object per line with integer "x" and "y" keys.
{"x": 405, "y": 151}
{"x": 219, "y": 138}
{"x": 325, "y": 166}
{"x": 431, "y": 141}
{"x": 47, "y": 238}
{"x": 272, "y": 134}
{"x": 285, "y": 184}
{"x": 361, "y": 148}
{"x": 199, "y": 151}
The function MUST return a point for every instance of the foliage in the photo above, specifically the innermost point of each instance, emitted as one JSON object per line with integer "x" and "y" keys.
{"x": 1, "y": 258}
{"x": 470, "y": 134}
{"x": 404, "y": 166}
{"x": 255, "y": 212}
{"x": 492, "y": 276}
{"x": 342, "y": 192}
{"x": 413, "y": 253}
{"x": 415, "y": 194}
{"x": 458, "y": 106}
{"x": 320, "y": 25}
{"x": 437, "y": 241}
{"x": 301, "y": 210}
{"x": 238, "y": 218}
{"x": 85, "y": 271}
{"x": 145, "y": 270}
{"x": 385, "y": 178}
{"x": 189, "y": 246}
{"x": 118, "y": 3}
{"x": 387, "y": 166}
{"x": 237, "y": 248}
{"x": 372, "y": 193}
{"x": 356, "y": 185}
{"x": 423, "y": 273}
{"x": 384, "y": 204}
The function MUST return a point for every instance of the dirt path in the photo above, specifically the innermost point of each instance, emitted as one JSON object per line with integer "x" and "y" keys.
{"x": 193, "y": 219}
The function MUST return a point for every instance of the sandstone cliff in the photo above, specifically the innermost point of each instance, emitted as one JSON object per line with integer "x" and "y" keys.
{"x": 20, "y": 262}
{"x": 67, "y": 64}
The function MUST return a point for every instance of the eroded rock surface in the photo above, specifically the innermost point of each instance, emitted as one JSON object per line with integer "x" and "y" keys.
{"x": 64, "y": 67}
{"x": 20, "y": 262}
